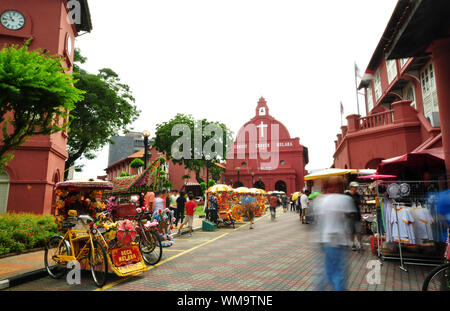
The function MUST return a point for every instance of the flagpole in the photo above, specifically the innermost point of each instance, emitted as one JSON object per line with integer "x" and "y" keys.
{"x": 356, "y": 87}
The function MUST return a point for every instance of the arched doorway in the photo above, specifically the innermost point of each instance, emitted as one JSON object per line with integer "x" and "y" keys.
{"x": 280, "y": 186}
{"x": 4, "y": 192}
{"x": 238, "y": 184}
{"x": 260, "y": 185}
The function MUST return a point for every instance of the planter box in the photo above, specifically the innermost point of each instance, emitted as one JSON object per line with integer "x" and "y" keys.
{"x": 208, "y": 226}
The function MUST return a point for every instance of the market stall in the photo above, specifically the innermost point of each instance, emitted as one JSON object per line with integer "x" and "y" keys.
{"x": 409, "y": 226}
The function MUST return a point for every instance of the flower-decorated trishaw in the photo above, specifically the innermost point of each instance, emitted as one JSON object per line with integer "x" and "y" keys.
{"x": 261, "y": 199}
{"x": 89, "y": 237}
{"x": 126, "y": 202}
{"x": 223, "y": 194}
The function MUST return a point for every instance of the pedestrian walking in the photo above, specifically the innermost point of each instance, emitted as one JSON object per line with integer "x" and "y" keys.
{"x": 189, "y": 218}
{"x": 292, "y": 204}
{"x": 212, "y": 208}
{"x": 181, "y": 202}
{"x": 304, "y": 206}
{"x": 159, "y": 202}
{"x": 285, "y": 202}
{"x": 355, "y": 218}
{"x": 273, "y": 203}
{"x": 249, "y": 204}
{"x": 149, "y": 200}
{"x": 332, "y": 232}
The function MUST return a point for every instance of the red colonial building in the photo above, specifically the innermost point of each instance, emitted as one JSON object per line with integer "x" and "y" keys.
{"x": 29, "y": 179}
{"x": 265, "y": 156}
{"x": 174, "y": 172}
{"x": 408, "y": 97}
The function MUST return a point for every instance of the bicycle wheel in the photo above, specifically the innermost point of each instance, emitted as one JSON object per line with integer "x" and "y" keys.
{"x": 98, "y": 264}
{"x": 151, "y": 247}
{"x": 438, "y": 279}
{"x": 56, "y": 246}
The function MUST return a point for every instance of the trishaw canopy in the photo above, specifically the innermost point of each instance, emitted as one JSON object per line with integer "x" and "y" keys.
{"x": 219, "y": 188}
{"x": 91, "y": 184}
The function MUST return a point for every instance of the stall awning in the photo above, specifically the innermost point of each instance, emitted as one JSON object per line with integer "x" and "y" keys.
{"x": 330, "y": 172}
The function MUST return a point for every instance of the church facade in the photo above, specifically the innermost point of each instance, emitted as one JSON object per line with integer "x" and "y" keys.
{"x": 265, "y": 156}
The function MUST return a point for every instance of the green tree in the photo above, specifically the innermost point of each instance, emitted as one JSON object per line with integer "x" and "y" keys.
{"x": 164, "y": 141}
{"x": 107, "y": 109}
{"x": 36, "y": 96}
{"x": 124, "y": 174}
{"x": 137, "y": 163}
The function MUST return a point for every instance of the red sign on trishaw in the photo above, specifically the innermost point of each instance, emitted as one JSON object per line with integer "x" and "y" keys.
{"x": 125, "y": 255}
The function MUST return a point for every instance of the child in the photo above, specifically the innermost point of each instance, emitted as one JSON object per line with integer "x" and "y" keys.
{"x": 189, "y": 219}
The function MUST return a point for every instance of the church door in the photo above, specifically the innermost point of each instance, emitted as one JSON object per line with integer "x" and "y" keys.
{"x": 280, "y": 186}
{"x": 259, "y": 184}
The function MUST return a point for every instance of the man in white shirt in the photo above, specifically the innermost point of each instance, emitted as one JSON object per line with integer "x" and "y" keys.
{"x": 304, "y": 206}
{"x": 332, "y": 231}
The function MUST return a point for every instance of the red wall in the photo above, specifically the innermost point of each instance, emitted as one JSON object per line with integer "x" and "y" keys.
{"x": 39, "y": 163}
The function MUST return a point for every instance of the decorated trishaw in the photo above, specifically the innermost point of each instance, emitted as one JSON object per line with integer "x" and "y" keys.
{"x": 223, "y": 193}
{"x": 261, "y": 199}
{"x": 89, "y": 236}
{"x": 126, "y": 201}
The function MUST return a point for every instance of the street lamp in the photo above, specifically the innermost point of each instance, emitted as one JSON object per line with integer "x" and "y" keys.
{"x": 253, "y": 176}
{"x": 238, "y": 174}
{"x": 146, "y": 135}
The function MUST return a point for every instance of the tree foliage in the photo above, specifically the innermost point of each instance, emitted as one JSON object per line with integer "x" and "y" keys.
{"x": 36, "y": 96}
{"x": 137, "y": 163}
{"x": 107, "y": 109}
{"x": 164, "y": 141}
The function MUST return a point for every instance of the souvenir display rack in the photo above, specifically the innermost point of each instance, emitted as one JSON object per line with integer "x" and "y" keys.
{"x": 401, "y": 206}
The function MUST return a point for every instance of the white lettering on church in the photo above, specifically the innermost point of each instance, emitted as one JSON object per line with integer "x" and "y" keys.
{"x": 287, "y": 144}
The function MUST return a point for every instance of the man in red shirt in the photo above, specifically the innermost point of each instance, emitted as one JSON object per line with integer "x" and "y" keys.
{"x": 189, "y": 218}
{"x": 273, "y": 202}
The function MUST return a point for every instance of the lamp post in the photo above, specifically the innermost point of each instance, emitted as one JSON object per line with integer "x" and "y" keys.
{"x": 238, "y": 174}
{"x": 253, "y": 176}
{"x": 146, "y": 135}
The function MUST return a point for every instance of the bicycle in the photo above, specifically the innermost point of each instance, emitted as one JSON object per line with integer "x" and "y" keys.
{"x": 77, "y": 245}
{"x": 149, "y": 241}
{"x": 438, "y": 279}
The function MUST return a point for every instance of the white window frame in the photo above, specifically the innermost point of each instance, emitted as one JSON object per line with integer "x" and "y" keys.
{"x": 428, "y": 87}
{"x": 391, "y": 66}
{"x": 406, "y": 92}
{"x": 369, "y": 98}
{"x": 377, "y": 85}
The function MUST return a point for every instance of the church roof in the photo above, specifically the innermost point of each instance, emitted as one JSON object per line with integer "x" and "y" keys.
{"x": 86, "y": 22}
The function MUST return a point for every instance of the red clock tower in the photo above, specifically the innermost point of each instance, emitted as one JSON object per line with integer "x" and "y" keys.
{"x": 27, "y": 185}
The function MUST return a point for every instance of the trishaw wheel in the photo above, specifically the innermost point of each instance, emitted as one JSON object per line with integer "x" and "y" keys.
{"x": 98, "y": 264}
{"x": 56, "y": 247}
{"x": 151, "y": 247}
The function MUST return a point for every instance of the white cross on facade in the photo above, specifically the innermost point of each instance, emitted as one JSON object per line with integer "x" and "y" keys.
{"x": 261, "y": 127}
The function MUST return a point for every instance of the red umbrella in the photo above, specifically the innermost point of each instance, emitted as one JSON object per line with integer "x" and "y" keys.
{"x": 415, "y": 162}
{"x": 377, "y": 176}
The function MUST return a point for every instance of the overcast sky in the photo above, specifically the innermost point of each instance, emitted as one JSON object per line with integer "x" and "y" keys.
{"x": 215, "y": 59}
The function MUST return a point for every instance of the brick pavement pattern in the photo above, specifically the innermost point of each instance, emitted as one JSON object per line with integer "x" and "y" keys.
{"x": 275, "y": 256}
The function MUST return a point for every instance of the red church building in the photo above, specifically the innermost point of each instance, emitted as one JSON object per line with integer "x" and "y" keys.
{"x": 29, "y": 179}
{"x": 408, "y": 98}
{"x": 265, "y": 156}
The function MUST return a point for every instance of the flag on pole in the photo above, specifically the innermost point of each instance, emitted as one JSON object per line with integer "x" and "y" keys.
{"x": 342, "y": 109}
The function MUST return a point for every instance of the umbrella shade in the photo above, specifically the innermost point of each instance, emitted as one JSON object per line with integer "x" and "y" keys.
{"x": 90, "y": 184}
{"x": 377, "y": 176}
{"x": 257, "y": 190}
{"x": 313, "y": 195}
{"x": 296, "y": 195}
{"x": 329, "y": 172}
{"x": 241, "y": 190}
{"x": 219, "y": 188}
{"x": 415, "y": 163}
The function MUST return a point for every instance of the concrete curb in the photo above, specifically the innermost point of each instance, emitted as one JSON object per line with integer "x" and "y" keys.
{"x": 23, "y": 278}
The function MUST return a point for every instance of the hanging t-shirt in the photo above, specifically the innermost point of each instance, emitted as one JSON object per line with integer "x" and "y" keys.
{"x": 387, "y": 219}
{"x": 422, "y": 224}
{"x": 402, "y": 220}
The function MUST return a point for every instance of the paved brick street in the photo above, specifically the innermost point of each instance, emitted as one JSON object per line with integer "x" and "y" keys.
{"x": 275, "y": 256}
